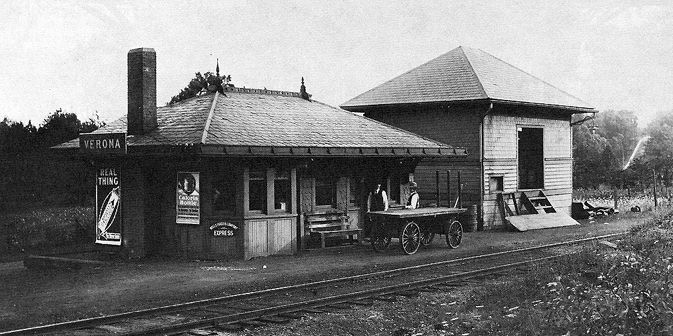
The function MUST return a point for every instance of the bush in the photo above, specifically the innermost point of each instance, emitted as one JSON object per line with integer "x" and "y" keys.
{"x": 47, "y": 227}
{"x": 627, "y": 291}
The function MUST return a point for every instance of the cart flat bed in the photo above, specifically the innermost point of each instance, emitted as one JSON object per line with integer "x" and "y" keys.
{"x": 417, "y": 213}
{"x": 415, "y": 227}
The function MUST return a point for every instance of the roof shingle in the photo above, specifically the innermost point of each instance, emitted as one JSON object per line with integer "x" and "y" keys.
{"x": 466, "y": 74}
{"x": 259, "y": 118}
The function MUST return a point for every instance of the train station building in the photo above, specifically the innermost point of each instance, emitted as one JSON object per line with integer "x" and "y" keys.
{"x": 516, "y": 127}
{"x": 237, "y": 173}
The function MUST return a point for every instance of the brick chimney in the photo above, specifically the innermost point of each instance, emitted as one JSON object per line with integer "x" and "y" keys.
{"x": 142, "y": 94}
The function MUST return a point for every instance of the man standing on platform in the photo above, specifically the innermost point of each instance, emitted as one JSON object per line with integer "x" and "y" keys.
{"x": 414, "y": 199}
{"x": 377, "y": 199}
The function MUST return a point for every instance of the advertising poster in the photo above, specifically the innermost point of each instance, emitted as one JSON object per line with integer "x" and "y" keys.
{"x": 187, "y": 199}
{"x": 108, "y": 207}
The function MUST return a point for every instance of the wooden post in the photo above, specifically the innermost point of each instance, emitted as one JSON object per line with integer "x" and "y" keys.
{"x": 460, "y": 192}
{"x": 437, "y": 187}
{"x": 654, "y": 187}
{"x": 448, "y": 187}
{"x": 616, "y": 197}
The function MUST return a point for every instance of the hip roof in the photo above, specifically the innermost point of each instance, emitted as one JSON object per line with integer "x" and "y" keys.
{"x": 466, "y": 74}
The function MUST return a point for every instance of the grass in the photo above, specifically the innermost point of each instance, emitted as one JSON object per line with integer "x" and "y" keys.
{"x": 626, "y": 199}
{"x": 601, "y": 290}
{"x": 45, "y": 228}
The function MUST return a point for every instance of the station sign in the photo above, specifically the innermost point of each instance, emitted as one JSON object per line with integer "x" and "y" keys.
{"x": 102, "y": 143}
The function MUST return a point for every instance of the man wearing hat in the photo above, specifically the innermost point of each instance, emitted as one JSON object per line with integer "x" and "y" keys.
{"x": 413, "y": 201}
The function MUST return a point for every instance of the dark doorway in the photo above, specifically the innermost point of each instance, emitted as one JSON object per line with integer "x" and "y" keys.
{"x": 531, "y": 158}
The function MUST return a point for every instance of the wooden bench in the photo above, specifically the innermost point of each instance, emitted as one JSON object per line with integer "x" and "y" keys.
{"x": 331, "y": 225}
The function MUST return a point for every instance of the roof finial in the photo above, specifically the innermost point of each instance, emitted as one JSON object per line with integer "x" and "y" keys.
{"x": 217, "y": 68}
{"x": 302, "y": 91}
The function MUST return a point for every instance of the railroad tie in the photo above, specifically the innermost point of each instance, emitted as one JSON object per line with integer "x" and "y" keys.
{"x": 253, "y": 323}
{"x": 339, "y": 306}
{"x": 363, "y": 302}
{"x": 200, "y": 332}
{"x": 228, "y": 327}
{"x": 408, "y": 293}
{"x": 387, "y": 298}
{"x": 430, "y": 289}
{"x": 314, "y": 310}
{"x": 274, "y": 319}
{"x": 292, "y": 315}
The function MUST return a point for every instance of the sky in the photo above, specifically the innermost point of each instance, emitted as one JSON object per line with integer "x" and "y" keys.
{"x": 72, "y": 54}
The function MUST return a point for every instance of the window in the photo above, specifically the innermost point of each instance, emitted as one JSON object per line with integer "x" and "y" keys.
{"x": 531, "y": 160}
{"x": 495, "y": 184}
{"x": 325, "y": 192}
{"x": 282, "y": 192}
{"x": 224, "y": 198}
{"x": 354, "y": 193}
{"x": 257, "y": 185}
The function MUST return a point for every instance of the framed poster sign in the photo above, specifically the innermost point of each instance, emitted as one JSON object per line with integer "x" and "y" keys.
{"x": 108, "y": 206}
{"x": 188, "y": 204}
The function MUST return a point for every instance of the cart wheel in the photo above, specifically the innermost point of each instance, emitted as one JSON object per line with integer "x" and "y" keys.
{"x": 454, "y": 234}
{"x": 427, "y": 237}
{"x": 380, "y": 243}
{"x": 410, "y": 238}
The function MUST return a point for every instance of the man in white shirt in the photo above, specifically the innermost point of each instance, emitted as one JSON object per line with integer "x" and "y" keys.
{"x": 414, "y": 199}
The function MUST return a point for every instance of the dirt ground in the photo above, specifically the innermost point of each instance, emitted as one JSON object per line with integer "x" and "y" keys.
{"x": 31, "y": 298}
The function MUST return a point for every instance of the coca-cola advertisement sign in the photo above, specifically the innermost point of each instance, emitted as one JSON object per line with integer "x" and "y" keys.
{"x": 108, "y": 206}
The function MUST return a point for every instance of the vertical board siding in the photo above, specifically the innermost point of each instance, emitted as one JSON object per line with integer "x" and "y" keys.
{"x": 457, "y": 126}
{"x": 282, "y": 236}
{"x": 425, "y": 176}
{"x": 270, "y": 236}
{"x": 133, "y": 195}
{"x": 257, "y": 238}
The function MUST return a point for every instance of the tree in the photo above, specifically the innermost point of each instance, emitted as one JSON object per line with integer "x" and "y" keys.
{"x": 659, "y": 148}
{"x": 60, "y": 127}
{"x": 208, "y": 82}
{"x": 588, "y": 151}
{"x": 92, "y": 124}
{"x": 620, "y": 128}
{"x": 15, "y": 137}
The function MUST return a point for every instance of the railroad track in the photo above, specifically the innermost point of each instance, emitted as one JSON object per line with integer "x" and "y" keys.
{"x": 280, "y": 305}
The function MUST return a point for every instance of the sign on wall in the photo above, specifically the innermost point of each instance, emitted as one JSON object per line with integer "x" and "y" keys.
{"x": 102, "y": 143}
{"x": 108, "y": 206}
{"x": 223, "y": 229}
{"x": 188, "y": 205}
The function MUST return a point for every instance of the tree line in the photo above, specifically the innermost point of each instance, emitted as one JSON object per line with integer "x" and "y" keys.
{"x": 31, "y": 173}
{"x": 607, "y": 152}
{"x": 17, "y": 137}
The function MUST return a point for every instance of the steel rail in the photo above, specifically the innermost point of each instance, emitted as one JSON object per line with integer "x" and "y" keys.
{"x": 335, "y": 299}
{"x": 192, "y": 304}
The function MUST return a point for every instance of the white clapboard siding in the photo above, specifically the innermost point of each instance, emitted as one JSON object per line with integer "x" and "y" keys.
{"x": 500, "y": 159}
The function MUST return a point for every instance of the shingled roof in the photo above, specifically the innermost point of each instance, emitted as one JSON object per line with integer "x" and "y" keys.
{"x": 466, "y": 74}
{"x": 253, "y": 122}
